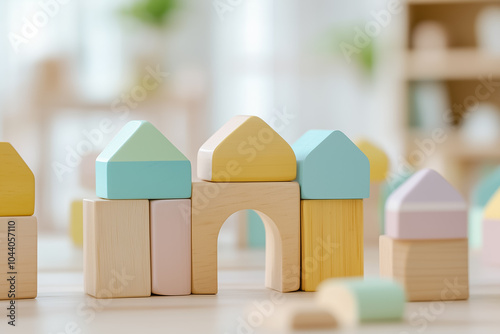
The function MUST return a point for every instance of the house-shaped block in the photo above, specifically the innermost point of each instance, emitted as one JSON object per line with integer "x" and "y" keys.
{"x": 426, "y": 207}
{"x": 425, "y": 247}
{"x": 491, "y": 230}
{"x": 140, "y": 163}
{"x": 246, "y": 149}
{"x": 17, "y": 184}
{"x": 331, "y": 166}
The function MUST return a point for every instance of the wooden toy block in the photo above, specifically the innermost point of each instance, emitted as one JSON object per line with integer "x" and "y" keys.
{"x": 278, "y": 205}
{"x": 18, "y": 263}
{"x": 428, "y": 269}
{"x": 87, "y": 171}
{"x": 76, "y": 222}
{"x": 331, "y": 240}
{"x": 330, "y": 166}
{"x": 481, "y": 195}
{"x": 491, "y": 230}
{"x": 353, "y": 301}
{"x": 116, "y": 249}
{"x": 426, "y": 207}
{"x": 304, "y": 315}
{"x": 379, "y": 161}
{"x": 17, "y": 184}
{"x": 140, "y": 163}
{"x": 246, "y": 149}
{"x": 379, "y": 168}
{"x": 171, "y": 247}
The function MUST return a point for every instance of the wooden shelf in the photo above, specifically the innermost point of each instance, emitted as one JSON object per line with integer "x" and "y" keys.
{"x": 454, "y": 64}
{"x": 451, "y": 2}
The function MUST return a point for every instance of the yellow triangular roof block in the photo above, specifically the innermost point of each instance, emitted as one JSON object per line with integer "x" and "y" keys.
{"x": 17, "y": 184}
{"x": 246, "y": 149}
{"x": 379, "y": 162}
{"x": 492, "y": 210}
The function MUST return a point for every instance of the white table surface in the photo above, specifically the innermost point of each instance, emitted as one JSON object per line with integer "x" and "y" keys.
{"x": 62, "y": 307}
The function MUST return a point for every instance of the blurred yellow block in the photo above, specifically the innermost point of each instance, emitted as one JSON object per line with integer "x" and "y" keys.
{"x": 17, "y": 184}
{"x": 332, "y": 240}
{"x": 76, "y": 222}
{"x": 379, "y": 162}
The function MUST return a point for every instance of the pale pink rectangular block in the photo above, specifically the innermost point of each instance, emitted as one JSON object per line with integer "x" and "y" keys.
{"x": 171, "y": 247}
{"x": 426, "y": 224}
{"x": 491, "y": 241}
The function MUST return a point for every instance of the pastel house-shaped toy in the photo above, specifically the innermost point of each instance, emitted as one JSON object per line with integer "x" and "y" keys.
{"x": 491, "y": 230}
{"x": 334, "y": 176}
{"x": 379, "y": 168}
{"x": 258, "y": 168}
{"x": 481, "y": 195}
{"x": 425, "y": 247}
{"x": 386, "y": 191}
{"x": 246, "y": 149}
{"x": 18, "y": 226}
{"x": 140, "y": 163}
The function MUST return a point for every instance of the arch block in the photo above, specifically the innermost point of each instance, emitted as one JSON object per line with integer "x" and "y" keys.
{"x": 330, "y": 166}
{"x": 140, "y": 163}
{"x": 246, "y": 149}
{"x": 278, "y": 204}
{"x": 17, "y": 184}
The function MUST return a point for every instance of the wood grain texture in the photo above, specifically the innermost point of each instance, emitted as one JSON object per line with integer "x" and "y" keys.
{"x": 116, "y": 248}
{"x": 17, "y": 184}
{"x": 357, "y": 300}
{"x": 278, "y": 204}
{"x": 331, "y": 166}
{"x": 332, "y": 240}
{"x": 305, "y": 315}
{"x": 25, "y": 267}
{"x": 428, "y": 269}
{"x": 76, "y": 222}
{"x": 171, "y": 247}
{"x": 246, "y": 149}
{"x": 140, "y": 163}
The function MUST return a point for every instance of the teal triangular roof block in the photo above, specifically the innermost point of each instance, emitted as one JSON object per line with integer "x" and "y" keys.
{"x": 140, "y": 163}
{"x": 486, "y": 188}
{"x": 331, "y": 166}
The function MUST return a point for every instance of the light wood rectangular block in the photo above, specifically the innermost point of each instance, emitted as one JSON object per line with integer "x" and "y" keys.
{"x": 278, "y": 205}
{"x": 428, "y": 269}
{"x": 171, "y": 247}
{"x": 332, "y": 240}
{"x": 116, "y": 248}
{"x": 18, "y": 257}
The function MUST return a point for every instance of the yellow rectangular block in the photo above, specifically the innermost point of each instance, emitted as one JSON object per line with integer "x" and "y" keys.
{"x": 116, "y": 249}
{"x": 18, "y": 257}
{"x": 332, "y": 240}
{"x": 76, "y": 222}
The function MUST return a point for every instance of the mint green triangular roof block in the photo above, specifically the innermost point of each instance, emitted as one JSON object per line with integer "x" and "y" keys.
{"x": 331, "y": 166}
{"x": 486, "y": 188}
{"x": 140, "y": 163}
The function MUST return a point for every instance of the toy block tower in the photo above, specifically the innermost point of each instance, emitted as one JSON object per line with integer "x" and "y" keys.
{"x": 18, "y": 227}
{"x": 425, "y": 247}
{"x": 334, "y": 178}
{"x": 127, "y": 233}
{"x": 247, "y": 165}
{"x": 491, "y": 230}
{"x": 481, "y": 196}
{"x": 379, "y": 167}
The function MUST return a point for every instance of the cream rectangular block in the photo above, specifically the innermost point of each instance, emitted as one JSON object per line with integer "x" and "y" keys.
{"x": 116, "y": 249}
{"x": 171, "y": 247}
{"x": 428, "y": 269}
{"x": 18, "y": 257}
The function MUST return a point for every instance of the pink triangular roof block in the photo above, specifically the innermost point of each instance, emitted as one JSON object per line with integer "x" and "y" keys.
{"x": 426, "y": 207}
{"x": 426, "y": 188}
